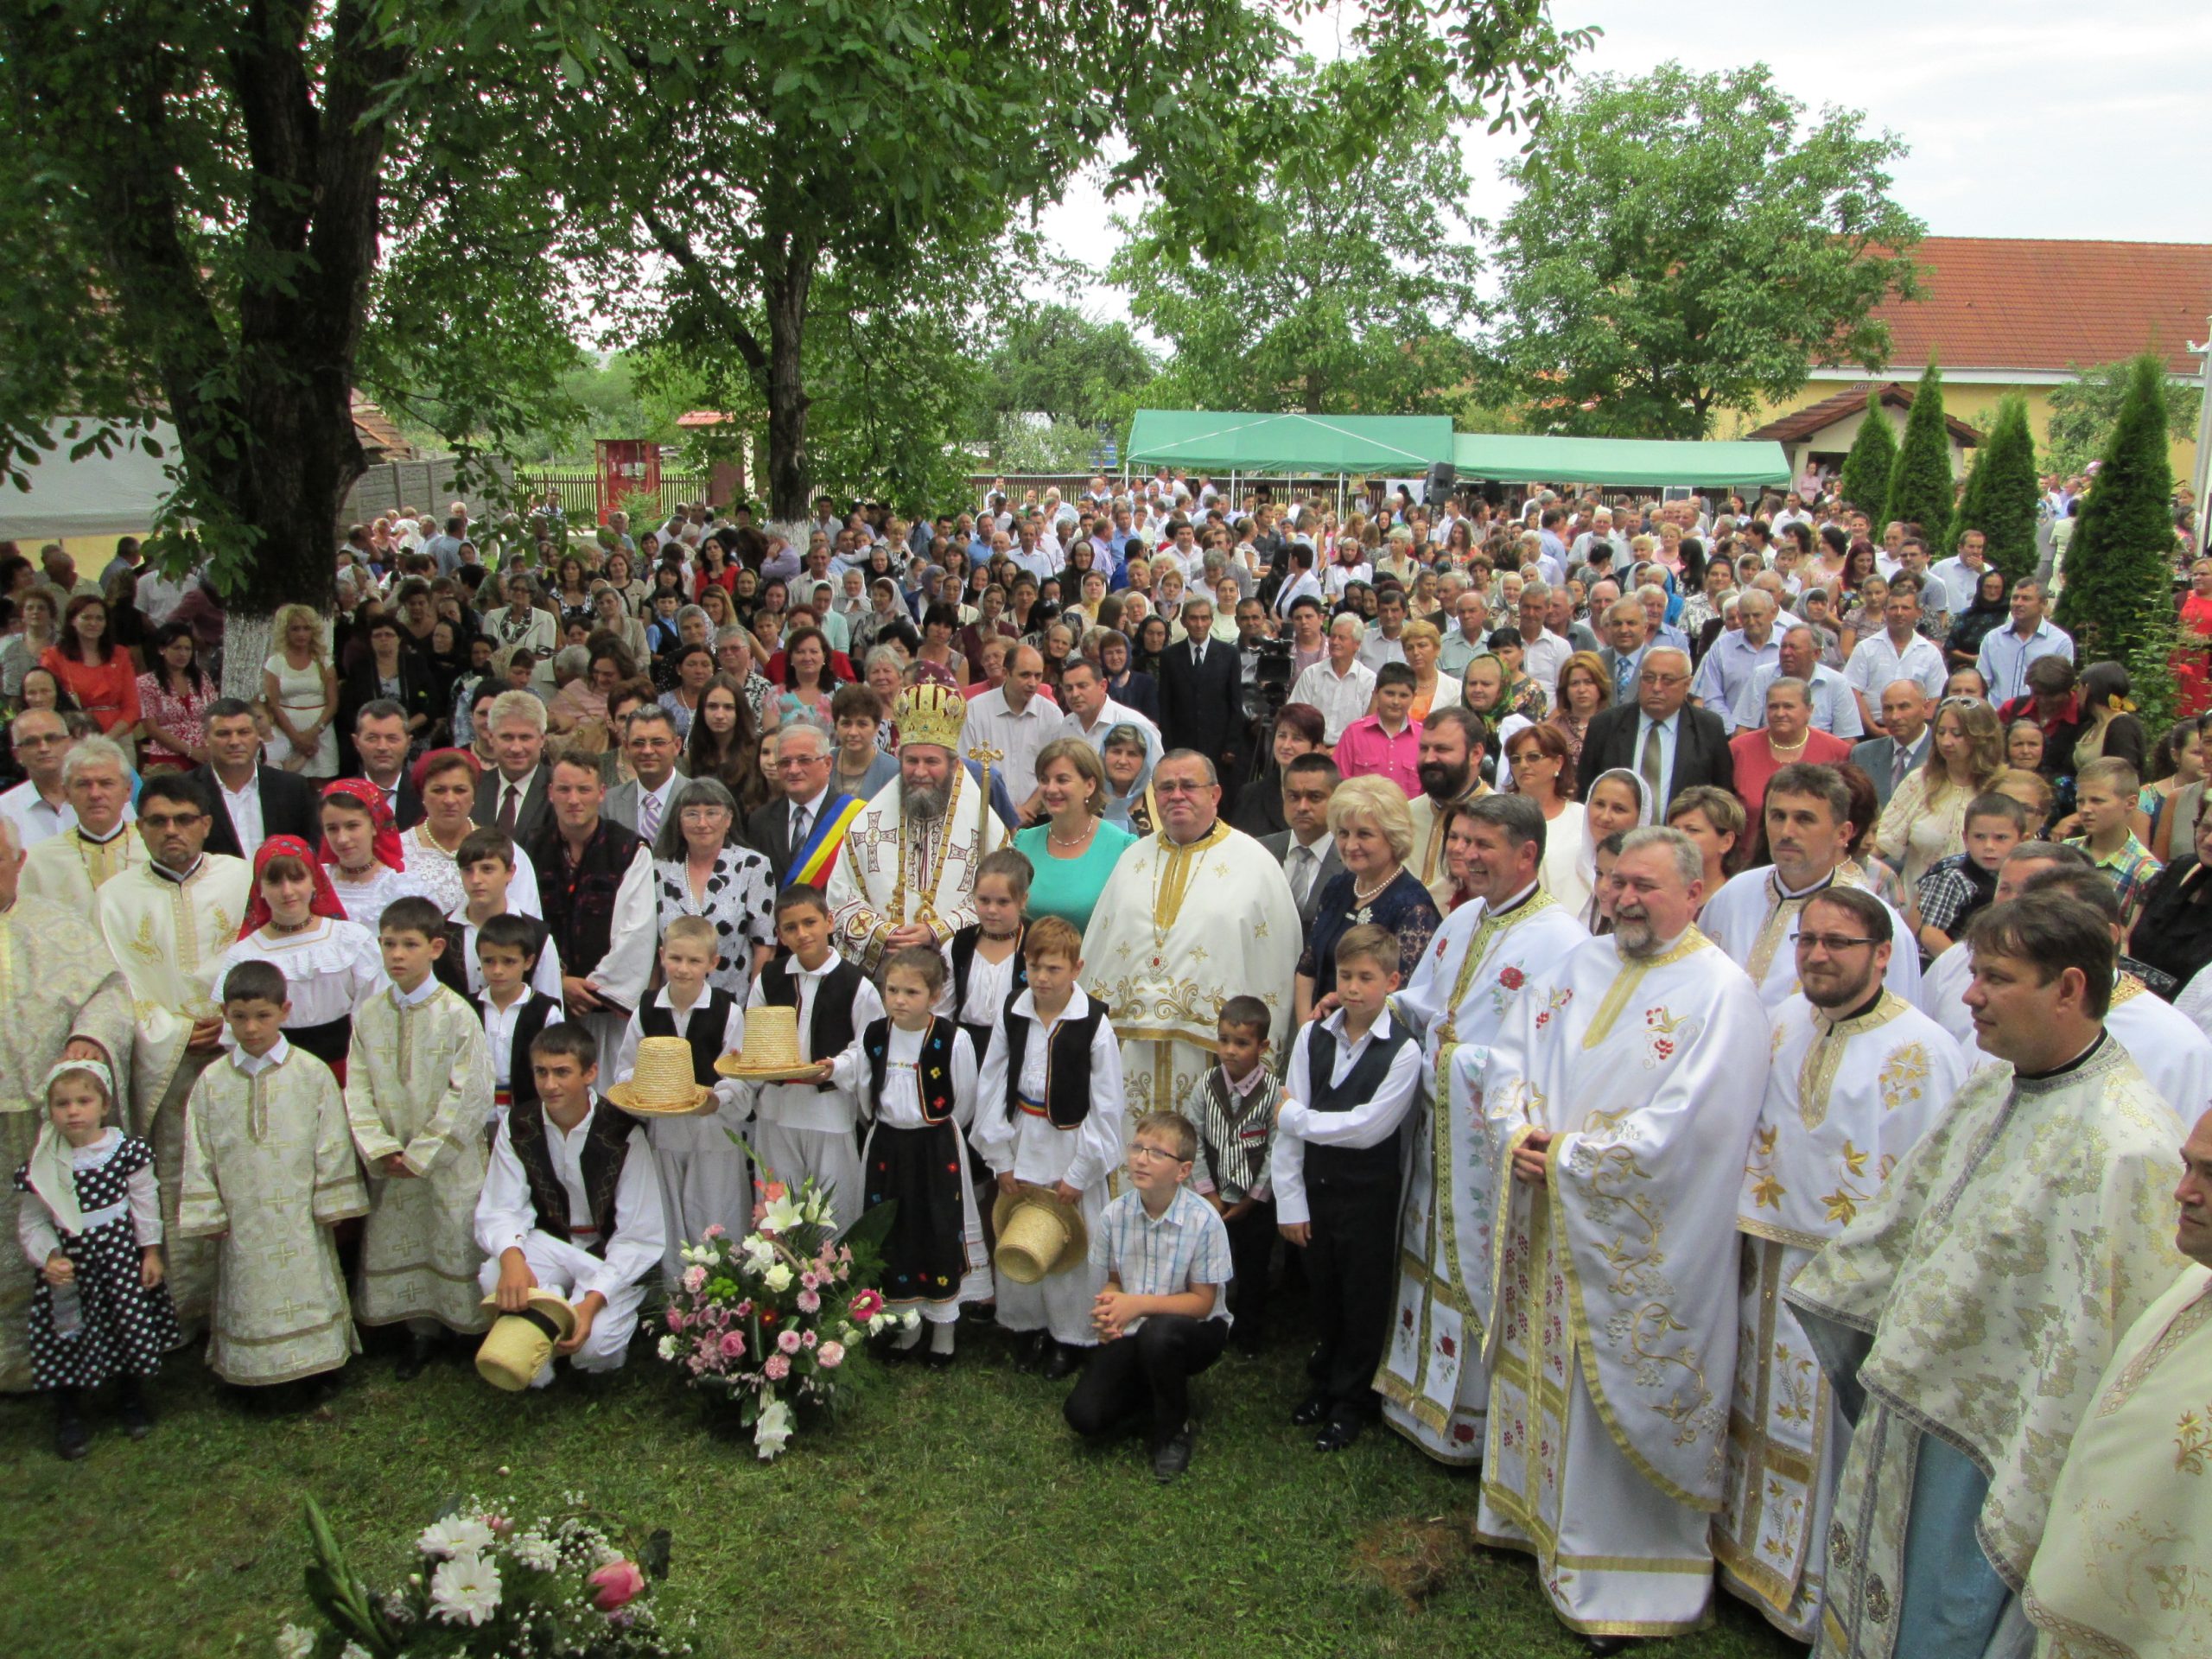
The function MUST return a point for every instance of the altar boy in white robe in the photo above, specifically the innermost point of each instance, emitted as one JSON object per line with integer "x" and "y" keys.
{"x": 1859, "y": 1076}
{"x": 1620, "y": 1097}
{"x": 1049, "y": 1112}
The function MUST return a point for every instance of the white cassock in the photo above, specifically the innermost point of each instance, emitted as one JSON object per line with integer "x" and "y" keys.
{"x": 70, "y": 867}
{"x": 1434, "y": 1389}
{"x": 892, "y": 872}
{"x": 1754, "y": 919}
{"x": 1178, "y": 929}
{"x": 1613, "y": 1339}
{"x": 2171, "y": 1049}
{"x": 1845, "y": 1101}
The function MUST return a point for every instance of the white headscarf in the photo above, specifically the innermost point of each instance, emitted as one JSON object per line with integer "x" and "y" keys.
{"x": 53, "y": 1169}
{"x": 1587, "y": 862}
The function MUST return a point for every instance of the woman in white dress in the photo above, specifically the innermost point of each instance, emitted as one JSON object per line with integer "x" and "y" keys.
{"x": 701, "y": 868}
{"x": 300, "y": 690}
{"x": 445, "y": 779}
{"x": 1541, "y": 771}
{"x": 295, "y": 923}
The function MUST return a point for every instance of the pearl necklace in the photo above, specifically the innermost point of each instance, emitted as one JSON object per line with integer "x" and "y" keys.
{"x": 1083, "y": 839}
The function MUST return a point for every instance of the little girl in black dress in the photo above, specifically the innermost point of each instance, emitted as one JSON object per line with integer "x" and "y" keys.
{"x": 91, "y": 1222}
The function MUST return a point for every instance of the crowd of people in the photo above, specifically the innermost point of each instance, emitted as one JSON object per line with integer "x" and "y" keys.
{"x": 1699, "y": 999}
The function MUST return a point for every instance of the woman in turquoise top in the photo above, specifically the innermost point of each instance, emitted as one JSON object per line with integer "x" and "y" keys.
{"x": 1072, "y": 851}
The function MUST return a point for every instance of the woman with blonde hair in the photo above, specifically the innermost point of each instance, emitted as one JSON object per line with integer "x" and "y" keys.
{"x": 1373, "y": 829}
{"x": 299, "y": 689}
{"x": 1925, "y": 819}
{"x": 1431, "y": 690}
{"x": 1075, "y": 850}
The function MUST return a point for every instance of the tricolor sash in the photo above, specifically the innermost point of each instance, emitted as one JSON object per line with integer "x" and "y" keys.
{"x": 811, "y": 863}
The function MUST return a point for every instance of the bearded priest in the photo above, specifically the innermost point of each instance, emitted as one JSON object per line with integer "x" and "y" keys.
{"x": 1859, "y": 1076}
{"x": 1192, "y": 916}
{"x": 1620, "y": 1099}
{"x": 907, "y": 876}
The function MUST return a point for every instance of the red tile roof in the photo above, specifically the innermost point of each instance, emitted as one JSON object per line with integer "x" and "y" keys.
{"x": 1801, "y": 424}
{"x": 2000, "y": 302}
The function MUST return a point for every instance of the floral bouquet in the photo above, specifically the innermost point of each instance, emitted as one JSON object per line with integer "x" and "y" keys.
{"x": 484, "y": 1584}
{"x": 778, "y": 1316}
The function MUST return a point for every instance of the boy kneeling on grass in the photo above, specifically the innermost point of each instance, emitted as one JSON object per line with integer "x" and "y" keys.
{"x": 1163, "y": 1317}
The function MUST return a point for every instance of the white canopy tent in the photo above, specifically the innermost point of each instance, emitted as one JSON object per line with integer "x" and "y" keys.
{"x": 116, "y": 494}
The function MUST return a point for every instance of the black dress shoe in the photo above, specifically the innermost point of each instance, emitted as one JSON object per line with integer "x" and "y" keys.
{"x": 1337, "y": 1434}
{"x": 1029, "y": 1350}
{"x": 1607, "y": 1643}
{"x": 938, "y": 1362}
{"x": 412, "y": 1363}
{"x": 72, "y": 1436}
{"x": 1313, "y": 1408}
{"x": 1062, "y": 1361}
{"x": 1169, "y": 1462}
{"x": 137, "y": 1420}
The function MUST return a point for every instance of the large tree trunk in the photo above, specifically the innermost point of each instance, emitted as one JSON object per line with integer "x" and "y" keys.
{"x": 788, "y": 476}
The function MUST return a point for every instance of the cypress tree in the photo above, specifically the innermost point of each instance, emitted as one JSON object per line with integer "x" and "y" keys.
{"x": 2005, "y": 492}
{"x": 1967, "y": 514}
{"x": 2120, "y": 566}
{"x": 1864, "y": 480}
{"x": 1920, "y": 481}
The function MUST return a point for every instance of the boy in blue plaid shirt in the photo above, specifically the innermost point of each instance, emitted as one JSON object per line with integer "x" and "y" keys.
{"x": 1163, "y": 1318}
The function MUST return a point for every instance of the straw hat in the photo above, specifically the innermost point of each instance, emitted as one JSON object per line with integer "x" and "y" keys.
{"x": 771, "y": 1051}
{"x": 1039, "y": 1234}
{"x": 519, "y": 1344}
{"x": 661, "y": 1084}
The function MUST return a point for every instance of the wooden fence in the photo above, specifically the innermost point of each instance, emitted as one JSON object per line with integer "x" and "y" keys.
{"x": 578, "y": 488}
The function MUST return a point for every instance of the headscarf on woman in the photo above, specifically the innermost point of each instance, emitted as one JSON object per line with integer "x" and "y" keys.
{"x": 325, "y": 902}
{"x": 386, "y": 848}
{"x": 1135, "y": 811}
{"x": 1586, "y": 865}
{"x": 1976, "y": 622}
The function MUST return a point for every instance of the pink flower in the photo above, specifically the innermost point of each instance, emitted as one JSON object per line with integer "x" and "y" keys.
{"x": 676, "y": 1320}
{"x": 866, "y": 1305}
{"x": 615, "y": 1584}
{"x": 809, "y": 1339}
{"x": 732, "y": 1345}
{"x": 778, "y": 1367}
{"x": 832, "y": 1355}
{"x": 775, "y": 1190}
{"x": 788, "y": 1341}
{"x": 809, "y": 1302}
{"x": 716, "y": 1231}
{"x": 694, "y": 1279}
{"x": 808, "y": 1282}
{"x": 744, "y": 1309}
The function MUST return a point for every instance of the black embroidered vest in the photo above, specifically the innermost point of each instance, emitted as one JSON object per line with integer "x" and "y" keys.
{"x": 830, "y": 1022}
{"x": 933, "y": 1069}
{"x": 533, "y": 1010}
{"x": 1375, "y": 1163}
{"x": 1067, "y": 1064}
{"x": 709, "y": 1020}
{"x": 606, "y": 1144}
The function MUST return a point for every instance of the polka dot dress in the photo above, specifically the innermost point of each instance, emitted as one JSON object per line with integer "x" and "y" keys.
{"x": 741, "y": 901}
{"x": 125, "y": 1328}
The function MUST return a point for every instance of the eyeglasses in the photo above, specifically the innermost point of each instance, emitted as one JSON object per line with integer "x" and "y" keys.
{"x": 1138, "y": 1149}
{"x": 785, "y": 762}
{"x": 1834, "y": 944}
{"x": 1174, "y": 786}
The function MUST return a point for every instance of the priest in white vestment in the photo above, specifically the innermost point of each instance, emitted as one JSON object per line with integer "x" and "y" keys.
{"x": 1434, "y": 1389}
{"x": 168, "y": 924}
{"x": 1620, "y": 1098}
{"x": 907, "y": 876}
{"x": 1754, "y": 916}
{"x": 2121, "y": 1567}
{"x": 72, "y": 864}
{"x": 1193, "y": 915}
{"x": 1964, "y": 1316}
{"x": 64, "y": 998}
{"x": 1857, "y": 1076}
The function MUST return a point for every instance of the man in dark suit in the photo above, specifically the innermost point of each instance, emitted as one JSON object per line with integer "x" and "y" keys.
{"x": 380, "y": 747}
{"x": 250, "y": 802}
{"x": 805, "y": 767}
{"x": 1306, "y": 851}
{"x": 1885, "y": 760}
{"x": 1659, "y": 737}
{"x": 511, "y": 795}
{"x": 1202, "y": 695}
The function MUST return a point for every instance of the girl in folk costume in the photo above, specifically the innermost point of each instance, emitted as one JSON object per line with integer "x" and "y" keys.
{"x": 91, "y": 1222}
{"x": 983, "y": 965}
{"x": 917, "y": 1093}
{"x": 294, "y": 923}
{"x": 361, "y": 847}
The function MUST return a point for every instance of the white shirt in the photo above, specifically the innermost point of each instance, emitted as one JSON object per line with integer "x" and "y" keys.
{"x": 1367, "y": 1123}
{"x": 1110, "y": 715}
{"x": 35, "y": 817}
{"x": 726, "y": 1090}
{"x": 1875, "y": 663}
{"x": 500, "y": 1031}
{"x": 1834, "y": 709}
{"x": 900, "y": 1105}
{"x": 1301, "y": 585}
{"x": 1341, "y": 576}
{"x": 992, "y": 723}
{"x": 253, "y": 1065}
{"x": 1340, "y": 700}
{"x": 1960, "y": 580}
{"x": 1379, "y": 648}
{"x": 801, "y": 1105}
{"x": 505, "y": 1216}
{"x": 245, "y": 807}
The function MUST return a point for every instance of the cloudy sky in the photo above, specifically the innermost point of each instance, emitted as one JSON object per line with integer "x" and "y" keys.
{"x": 2027, "y": 118}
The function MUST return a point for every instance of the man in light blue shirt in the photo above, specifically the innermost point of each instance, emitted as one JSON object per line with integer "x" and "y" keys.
{"x": 1725, "y": 674}
{"x": 2006, "y": 652}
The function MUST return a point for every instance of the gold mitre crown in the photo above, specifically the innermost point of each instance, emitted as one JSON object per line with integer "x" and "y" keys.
{"x": 930, "y": 713}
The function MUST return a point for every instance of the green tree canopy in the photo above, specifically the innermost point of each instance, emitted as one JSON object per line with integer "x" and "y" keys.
{"x": 1687, "y": 244}
{"x": 1864, "y": 480}
{"x": 2120, "y": 565}
{"x": 2084, "y": 411}
{"x": 1922, "y": 490}
{"x": 2003, "y": 494}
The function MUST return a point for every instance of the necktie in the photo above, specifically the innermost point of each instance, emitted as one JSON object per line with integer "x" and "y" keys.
{"x": 648, "y": 814}
{"x": 507, "y": 809}
{"x": 1649, "y": 766}
{"x": 1198, "y": 653}
{"x": 799, "y": 827}
{"x": 1900, "y": 763}
{"x": 1624, "y": 676}
{"x": 1301, "y": 873}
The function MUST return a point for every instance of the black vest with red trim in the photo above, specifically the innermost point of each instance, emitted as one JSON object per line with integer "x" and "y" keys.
{"x": 606, "y": 1147}
{"x": 1067, "y": 1062}
{"x": 709, "y": 1021}
{"x": 1364, "y": 1164}
{"x": 932, "y": 1070}
{"x": 533, "y": 1008}
{"x": 829, "y": 1021}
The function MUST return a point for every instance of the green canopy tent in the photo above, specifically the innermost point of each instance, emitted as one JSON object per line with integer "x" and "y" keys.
{"x": 1243, "y": 444}
{"x": 1647, "y": 463}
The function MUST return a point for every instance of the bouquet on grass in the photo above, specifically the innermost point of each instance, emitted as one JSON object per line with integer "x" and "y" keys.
{"x": 777, "y": 1317}
{"x": 486, "y": 1584}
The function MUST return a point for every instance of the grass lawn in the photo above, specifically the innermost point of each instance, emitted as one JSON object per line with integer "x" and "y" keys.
{"x": 948, "y": 1516}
